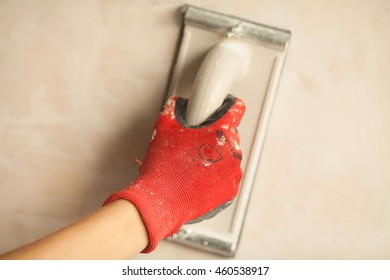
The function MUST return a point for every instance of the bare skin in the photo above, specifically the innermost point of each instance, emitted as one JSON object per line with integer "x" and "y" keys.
{"x": 115, "y": 231}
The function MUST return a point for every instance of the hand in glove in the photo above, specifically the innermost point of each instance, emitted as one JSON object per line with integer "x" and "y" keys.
{"x": 189, "y": 172}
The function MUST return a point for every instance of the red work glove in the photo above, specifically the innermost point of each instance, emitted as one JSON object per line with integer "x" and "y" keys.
{"x": 188, "y": 171}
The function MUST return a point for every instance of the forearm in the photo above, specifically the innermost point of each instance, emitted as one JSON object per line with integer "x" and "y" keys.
{"x": 115, "y": 231}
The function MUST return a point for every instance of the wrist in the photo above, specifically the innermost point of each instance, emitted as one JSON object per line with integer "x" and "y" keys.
{"x": 164, "y": 199}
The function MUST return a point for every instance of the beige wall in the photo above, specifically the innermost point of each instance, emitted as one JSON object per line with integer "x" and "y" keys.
{"x": 81, "y": 83}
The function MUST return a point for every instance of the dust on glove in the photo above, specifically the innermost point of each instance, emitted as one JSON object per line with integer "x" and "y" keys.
{"x": 188, "y": 171}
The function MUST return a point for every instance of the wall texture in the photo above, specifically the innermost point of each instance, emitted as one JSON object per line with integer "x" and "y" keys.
{"x": 81, "y": 83}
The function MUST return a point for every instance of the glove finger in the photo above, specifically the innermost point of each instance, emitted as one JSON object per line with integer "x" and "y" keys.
{"x": 234, "y": 114}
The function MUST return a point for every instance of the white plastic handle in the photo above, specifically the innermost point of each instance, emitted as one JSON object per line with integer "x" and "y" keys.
{"x": 224, "y": 64}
